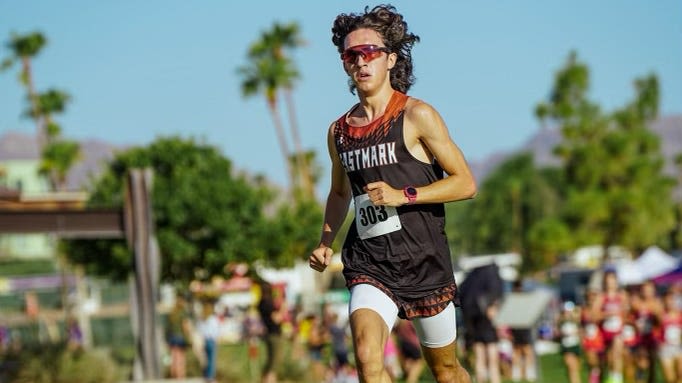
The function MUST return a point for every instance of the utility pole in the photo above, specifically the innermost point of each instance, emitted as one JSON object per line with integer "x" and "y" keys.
{"x": 139, "y": 230}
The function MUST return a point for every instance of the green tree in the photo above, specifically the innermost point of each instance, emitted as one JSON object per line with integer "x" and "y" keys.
{"x": 616, "y": 193}
{"x": 205, "y": 214}
{"x": 640, "y": 195}
{"x": 675, "y": 235}
{"x": 270, "y": 69}
{"x": 511, "y": 202}
{"x": 295, "y": 230}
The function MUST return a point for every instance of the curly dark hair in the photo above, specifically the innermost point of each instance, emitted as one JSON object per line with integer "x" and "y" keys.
{"x": 393, "y": 29}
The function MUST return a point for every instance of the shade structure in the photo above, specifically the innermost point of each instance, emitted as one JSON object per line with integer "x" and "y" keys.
{"x": 671, "y": 277}
{"x": 481, "y": 287}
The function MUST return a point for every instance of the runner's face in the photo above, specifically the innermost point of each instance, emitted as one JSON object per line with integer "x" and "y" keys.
{"x": 649, "y": 290}
{"x": 611, "y": 282}
{"x": 371, "y": 74}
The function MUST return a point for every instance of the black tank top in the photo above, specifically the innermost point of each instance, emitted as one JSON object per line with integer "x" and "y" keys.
{"x": 413, "y": 261}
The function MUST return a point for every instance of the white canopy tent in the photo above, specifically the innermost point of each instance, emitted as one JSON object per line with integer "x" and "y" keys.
{"x": 652, "y": 263}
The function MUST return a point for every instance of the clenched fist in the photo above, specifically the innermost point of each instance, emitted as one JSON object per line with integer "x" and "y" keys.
{"x": 321, "y": 257}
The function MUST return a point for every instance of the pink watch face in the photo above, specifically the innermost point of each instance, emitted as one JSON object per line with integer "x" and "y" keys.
{"x": 410, "y": 193}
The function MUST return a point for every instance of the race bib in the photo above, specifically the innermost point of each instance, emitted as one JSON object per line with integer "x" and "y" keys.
{"x": 629, "y": 333}
{"x": 569, "y": 329}
{"x": 570, "y": 341}
{"x": 570, "y": 334}
{"x": 591, "y": 330}
{"x": 673, "y": 334}
{"x": 613, "y": 324}
{"x": 373, "y": 221}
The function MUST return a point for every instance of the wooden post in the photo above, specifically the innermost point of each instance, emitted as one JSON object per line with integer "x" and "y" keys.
{"x": 137, "y": 224}
{"x": 139, "y": 229}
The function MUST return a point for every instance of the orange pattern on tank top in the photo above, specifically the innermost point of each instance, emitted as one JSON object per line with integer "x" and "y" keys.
{"x": 348, "y": 136}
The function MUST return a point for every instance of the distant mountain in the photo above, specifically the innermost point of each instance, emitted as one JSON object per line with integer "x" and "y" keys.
{"x": 94, "y": 155}
{"x": 542, "y": 143}
{"x": 18, "y": 146}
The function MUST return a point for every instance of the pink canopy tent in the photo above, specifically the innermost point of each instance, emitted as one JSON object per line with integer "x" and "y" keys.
{"x": 673, "y": 276}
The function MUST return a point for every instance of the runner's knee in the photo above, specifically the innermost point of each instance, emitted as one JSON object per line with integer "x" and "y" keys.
{"x": 369, "y": 357}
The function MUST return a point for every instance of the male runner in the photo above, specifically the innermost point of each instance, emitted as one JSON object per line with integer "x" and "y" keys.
{"x": 389, "y": 153}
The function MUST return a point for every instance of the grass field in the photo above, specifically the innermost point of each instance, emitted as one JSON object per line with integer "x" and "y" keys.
{"x": 234, "y": 366}
{"x": 236, "y": 363}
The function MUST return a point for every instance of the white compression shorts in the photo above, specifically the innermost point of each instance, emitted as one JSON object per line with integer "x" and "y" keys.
{"x": 436, "y": 331}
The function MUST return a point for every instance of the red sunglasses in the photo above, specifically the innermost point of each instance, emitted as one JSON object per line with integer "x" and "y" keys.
{"x": 368, "y": 52}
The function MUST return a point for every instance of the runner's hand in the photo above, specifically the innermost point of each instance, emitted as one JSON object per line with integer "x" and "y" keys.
{"x": 321, "y": 257}
{"x": 381, "y": 193}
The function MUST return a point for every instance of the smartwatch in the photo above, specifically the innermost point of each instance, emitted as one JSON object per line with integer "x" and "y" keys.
{"x": 411, "y": 194}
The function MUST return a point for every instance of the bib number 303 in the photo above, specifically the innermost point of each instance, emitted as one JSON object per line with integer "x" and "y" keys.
{"x": 372, "y": 220}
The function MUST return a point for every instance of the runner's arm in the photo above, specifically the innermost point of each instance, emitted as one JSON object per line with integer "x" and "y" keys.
{"x": 339, "y": 196}
{"x": 433, "y": 133}
{"x": 335, "y": 209}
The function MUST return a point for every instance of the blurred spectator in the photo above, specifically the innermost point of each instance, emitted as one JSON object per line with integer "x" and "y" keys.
{"x": 646, "y": 306}
{"x": 272, "y": 320}
{"x": 410, "y": 350}
{"x": 523, "y": 357}
{"x": 252, "y": 331}
{"x": 300, "y": 341}
{"x": 592, "y": 339}
{"x": 339, "y": 340}
{"x": 676, "y": 290}
{"x": 506, "y": 351}
{"x": 31, "y": 304}
{"x": 484, "y": 337}
{"x": 5, "y": 339}
{"x": 480, "y": 294}
{"x": 178, "y": 337}
{"x": 209, "y": 328}
{"x": 252, "y": 325}
{"x": 568, "y": 328}
{"x": 670, "y": 348}
{"x": 613, "y": 304}
{"x": 74, "y": 334}
{"x": 317, "y": 339}
{"x": 391, "y": 358}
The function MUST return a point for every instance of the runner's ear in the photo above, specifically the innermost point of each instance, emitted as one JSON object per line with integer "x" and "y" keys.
{"x": 392, "y": 58}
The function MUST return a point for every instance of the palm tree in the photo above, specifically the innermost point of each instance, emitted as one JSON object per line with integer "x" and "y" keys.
{"x": 58, "y": 155}
{"x": 267, "y": 53}
{"x": 57, "y": 159}
{"x": 265, "y": 76}
{"x": 24, "y": 48}
{"x": 273, "y": 43}
{"x": 45, "y": 106}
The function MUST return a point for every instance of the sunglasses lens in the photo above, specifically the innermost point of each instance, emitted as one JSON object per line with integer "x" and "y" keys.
{"x": 367, "y": 52}
{"x": 349, "y": 56}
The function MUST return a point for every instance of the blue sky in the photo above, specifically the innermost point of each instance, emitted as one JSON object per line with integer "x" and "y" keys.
{"x": 138, "y": 70}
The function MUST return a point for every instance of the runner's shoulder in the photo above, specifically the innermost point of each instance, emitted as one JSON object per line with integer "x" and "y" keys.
{"x": 418, "y": 110}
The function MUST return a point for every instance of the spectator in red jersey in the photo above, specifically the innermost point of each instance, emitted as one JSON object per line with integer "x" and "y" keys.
{"x": 646, "y": 306}
{"x": 612, "y": 307}
{"x": 670, "y": 341}
{"x": 592, "y": 339}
